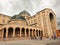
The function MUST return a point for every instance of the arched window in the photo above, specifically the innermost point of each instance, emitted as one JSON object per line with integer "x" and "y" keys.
{"x": 51, "y": 16}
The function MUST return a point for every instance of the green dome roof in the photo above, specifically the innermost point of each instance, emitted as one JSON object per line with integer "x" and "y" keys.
{"x": 18, "y": 17}
{"x": 24, "y": 12}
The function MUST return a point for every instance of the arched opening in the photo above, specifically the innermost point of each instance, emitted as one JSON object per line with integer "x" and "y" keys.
{"x": 51, "y": 16}
{"x": 23, "y": 32}
{"x": 17, "y": 32}
{"x": 27, "y": 32}
{"x": 34, "y": 32}
{"x": 30, "y": 32}
{"x": 39, "y": 33}
{"x": 10, "y": 32}
{"x": 4, "y": 35}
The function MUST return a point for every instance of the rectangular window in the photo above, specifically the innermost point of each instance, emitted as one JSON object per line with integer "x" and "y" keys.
{"x": 3, "y": 20}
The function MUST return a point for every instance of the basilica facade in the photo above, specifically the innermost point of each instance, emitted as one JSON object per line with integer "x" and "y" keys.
{"x": 25, "y": 26}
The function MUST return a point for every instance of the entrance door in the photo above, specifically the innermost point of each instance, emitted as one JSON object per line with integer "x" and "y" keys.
{"x": 4, "y": 35}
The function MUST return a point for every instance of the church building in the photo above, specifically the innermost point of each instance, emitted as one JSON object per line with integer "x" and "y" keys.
{"x": 25, "y": 26}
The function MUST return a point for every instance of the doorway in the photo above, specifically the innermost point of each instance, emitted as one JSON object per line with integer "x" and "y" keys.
{"x": 4, "y": 35}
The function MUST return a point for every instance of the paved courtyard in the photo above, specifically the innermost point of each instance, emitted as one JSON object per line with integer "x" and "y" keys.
{"x": 30, "y": 42}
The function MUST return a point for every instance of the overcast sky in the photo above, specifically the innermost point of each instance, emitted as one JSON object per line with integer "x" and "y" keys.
{"x": 12, "y": 7}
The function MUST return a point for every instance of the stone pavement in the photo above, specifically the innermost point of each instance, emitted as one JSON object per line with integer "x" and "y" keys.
{"x": 54, "y": 43}
{"x": 29, "y": 42}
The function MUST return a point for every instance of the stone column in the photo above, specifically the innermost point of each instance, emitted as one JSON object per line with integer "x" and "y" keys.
{"x": 38, "y": 33}
{"x": 20, "y": 32}
{"x": 25, "y": 32}
{"x": 35, "y": 33}
{"x": 13, "y": 32}
{"x": 41, "y": 33}
{"x": 6, "y": 32}
{"x": 32, "y": 32}
{"x": 29, "y": 33}
{"x": 2, "y": 33}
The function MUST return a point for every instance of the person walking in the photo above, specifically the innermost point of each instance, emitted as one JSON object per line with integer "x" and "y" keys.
{"x": 41, "y": 37}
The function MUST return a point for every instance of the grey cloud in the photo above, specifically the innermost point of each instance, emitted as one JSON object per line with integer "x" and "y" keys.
{"x": 30, "y": 5}
{"x": 19, "y": 5}
{"x": 57, "y": 4}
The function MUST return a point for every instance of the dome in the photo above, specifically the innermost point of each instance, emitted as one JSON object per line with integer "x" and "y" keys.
{"x": 21, "y": 15}
{"x": 18, "y": 17}
{"x": 24, "y": 12}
